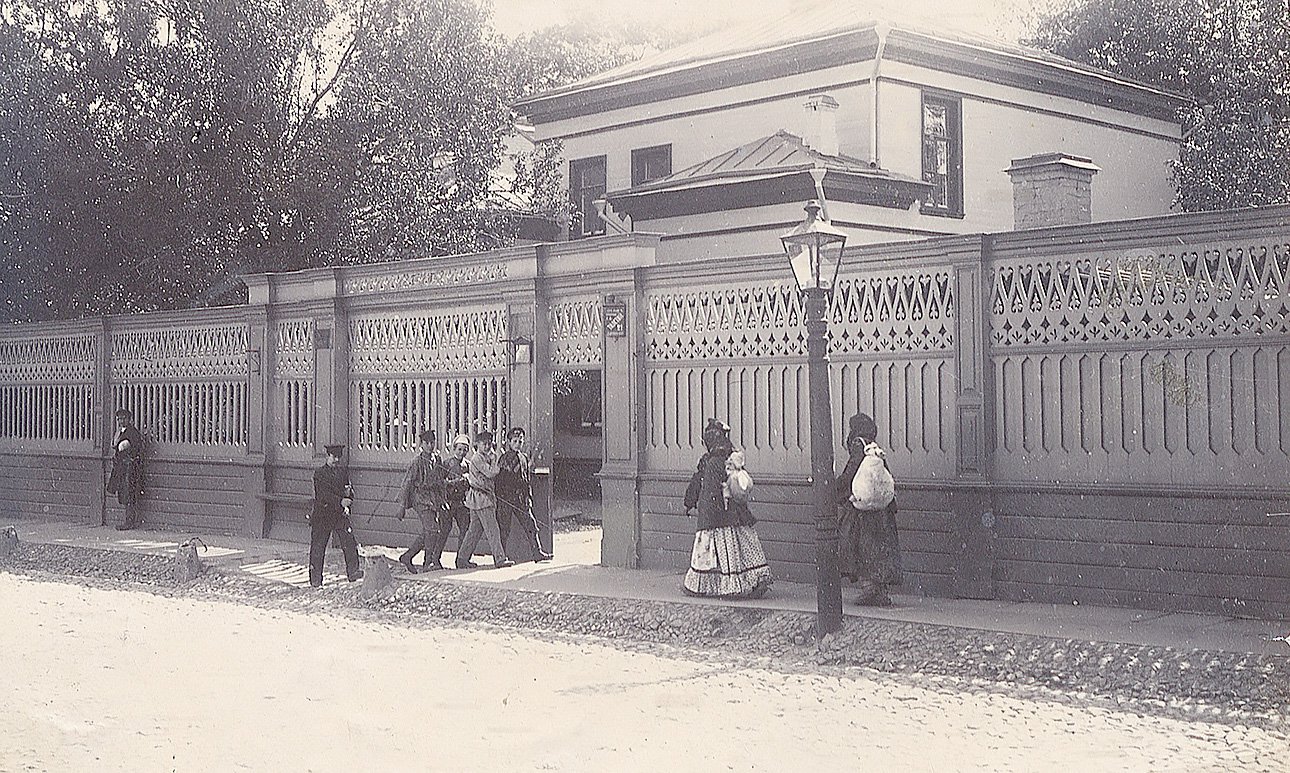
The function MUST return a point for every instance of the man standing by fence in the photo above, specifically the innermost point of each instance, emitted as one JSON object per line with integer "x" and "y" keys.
{"x": 515, "y": 493}
{"x": 127, "y": 469}
{"x": 330, "y": 517}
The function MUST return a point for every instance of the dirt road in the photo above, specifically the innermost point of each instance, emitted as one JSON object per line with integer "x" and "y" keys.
{"x": 116, "y": 680}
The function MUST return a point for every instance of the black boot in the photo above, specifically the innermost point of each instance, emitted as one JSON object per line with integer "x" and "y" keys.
{"x": 406, "y": 560}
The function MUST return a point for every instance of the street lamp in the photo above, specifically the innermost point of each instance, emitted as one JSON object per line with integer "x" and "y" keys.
{"x": 814, "y": 250}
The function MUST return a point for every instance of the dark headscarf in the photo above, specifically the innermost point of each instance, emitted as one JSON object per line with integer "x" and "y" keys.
{"x": 716, "y": 434}
{"x": 862, "y": 425}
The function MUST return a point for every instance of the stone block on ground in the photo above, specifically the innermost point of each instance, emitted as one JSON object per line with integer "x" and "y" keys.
{"x": 378, "y": 580}
{"x": 8, "y": 541}
{"x": 188, "y": 566}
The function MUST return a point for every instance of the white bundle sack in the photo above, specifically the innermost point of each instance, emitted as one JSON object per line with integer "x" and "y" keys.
{"x": 872, "y": 488}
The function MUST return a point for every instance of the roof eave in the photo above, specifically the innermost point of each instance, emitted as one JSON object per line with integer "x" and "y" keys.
{"x": 996, "y": 65}
{"x": 778, "y": 187}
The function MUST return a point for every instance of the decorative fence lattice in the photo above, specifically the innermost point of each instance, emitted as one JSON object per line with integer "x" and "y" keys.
{"x": 47, "y": 388}
{"x": 445, "y": 372}
{"x": 739, "y": 353}
{"x": 185, "y": 385}
{"x": 1222, "y": 292}
{"x": 575, "y": 334}
{"x": 179, "y": 353}
{"x": 467, "y": 341}
{"x": 293, "y": 378}
{"x": 1169, "y": 367}
{"x": 891, "y": 312}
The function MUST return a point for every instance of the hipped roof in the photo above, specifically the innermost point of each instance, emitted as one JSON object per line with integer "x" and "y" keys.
{"x": 769, "y": 170}
{"x": 822, "y": 37}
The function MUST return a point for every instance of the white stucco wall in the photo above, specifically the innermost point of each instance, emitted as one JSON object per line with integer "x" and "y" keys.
{"x": 713, "y": 129}
{"x": 999, "y": 123}
{"x": 1134, "y": 181}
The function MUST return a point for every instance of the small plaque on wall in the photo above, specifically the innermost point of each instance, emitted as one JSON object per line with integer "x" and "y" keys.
{"x": 615, "y": 318}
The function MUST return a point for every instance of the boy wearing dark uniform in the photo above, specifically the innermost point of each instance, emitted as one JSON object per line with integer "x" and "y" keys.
{"x": 514, "y": 487}
{"x": 330, "y": 517}
{"x": 424, "y": 490}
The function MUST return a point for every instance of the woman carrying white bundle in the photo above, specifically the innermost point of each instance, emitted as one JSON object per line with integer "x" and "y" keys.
{"x": 727, "y": 558}
{"x": 868, "y": 547}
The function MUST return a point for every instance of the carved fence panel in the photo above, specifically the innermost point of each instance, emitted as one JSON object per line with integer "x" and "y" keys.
{"x": 1167, "y": 366}
{"x": 738, "y": 352}
{"x": 186, "y": 385}
{"x": 47, "y": 388}
{"x": 575, "y": 325}
{"x": 293, "y": 379}
{"x": 409, "y": 372}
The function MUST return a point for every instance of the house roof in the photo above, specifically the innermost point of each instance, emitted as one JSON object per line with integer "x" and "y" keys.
{"x": 823, "y": 37}
{"x": 769, "y": 170}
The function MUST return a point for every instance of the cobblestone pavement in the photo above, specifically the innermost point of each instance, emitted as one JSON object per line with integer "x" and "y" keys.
{"x": 115, "y": 679}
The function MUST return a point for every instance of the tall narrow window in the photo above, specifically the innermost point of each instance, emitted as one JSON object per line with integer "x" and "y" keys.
{"x": 943, "y": 155}
{"x": 651, "y": 163}
{"x": 586, "y": 184}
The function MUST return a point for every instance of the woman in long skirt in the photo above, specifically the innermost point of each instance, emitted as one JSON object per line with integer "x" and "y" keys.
{"x": 727, "y": 559}
{"x": 868, "y": 546}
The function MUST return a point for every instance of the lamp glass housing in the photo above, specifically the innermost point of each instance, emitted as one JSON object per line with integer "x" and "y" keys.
{"x": 814, "y": 251}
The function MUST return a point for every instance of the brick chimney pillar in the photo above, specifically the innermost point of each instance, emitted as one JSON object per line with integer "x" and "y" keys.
{"x": 821, "y": 124}
{"x": 1051, "y": 189}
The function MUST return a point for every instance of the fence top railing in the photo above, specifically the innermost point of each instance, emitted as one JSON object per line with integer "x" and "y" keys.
{"x": 479, "y": 273}
{"x": 1193, "y": 227}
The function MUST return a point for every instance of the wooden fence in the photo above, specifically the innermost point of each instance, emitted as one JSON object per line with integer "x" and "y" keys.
{"x": 1082, "y": 414}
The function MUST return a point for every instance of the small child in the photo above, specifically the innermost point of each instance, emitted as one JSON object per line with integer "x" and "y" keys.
{"x": 738, "y": 485}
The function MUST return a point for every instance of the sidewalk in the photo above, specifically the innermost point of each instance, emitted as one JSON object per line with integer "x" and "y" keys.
{"x": 573, "y": 572}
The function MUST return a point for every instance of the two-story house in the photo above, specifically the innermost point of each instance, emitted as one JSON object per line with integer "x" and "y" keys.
{"x": 914, "y": 134}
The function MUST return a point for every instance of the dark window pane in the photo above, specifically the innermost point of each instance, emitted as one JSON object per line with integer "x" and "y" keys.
{"x": 586, "y": 185}
{"x": 651, "y": 163}
{"x": 942, "y": 155}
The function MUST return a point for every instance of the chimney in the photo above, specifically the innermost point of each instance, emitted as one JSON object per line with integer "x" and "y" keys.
{"x": 821, "y": 132}
{"x": 1051, "y": 189}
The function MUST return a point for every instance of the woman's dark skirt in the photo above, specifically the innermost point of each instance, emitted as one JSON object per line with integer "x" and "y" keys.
{"x": 868, "y": 546}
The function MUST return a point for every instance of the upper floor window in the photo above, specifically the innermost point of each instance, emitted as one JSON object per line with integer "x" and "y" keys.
{"x": 651, "y": 163}
{"x": 943, "y": 155}
{"x": 586, "y": 185}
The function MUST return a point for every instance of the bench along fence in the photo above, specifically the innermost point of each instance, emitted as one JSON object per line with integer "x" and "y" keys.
{"x": 1086, "y": 413}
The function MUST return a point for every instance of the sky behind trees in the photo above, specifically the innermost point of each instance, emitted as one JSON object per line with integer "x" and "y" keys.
{"x": 998, "y": 18}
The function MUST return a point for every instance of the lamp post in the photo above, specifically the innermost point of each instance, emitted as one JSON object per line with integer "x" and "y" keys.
{"x": 814, "y": 250}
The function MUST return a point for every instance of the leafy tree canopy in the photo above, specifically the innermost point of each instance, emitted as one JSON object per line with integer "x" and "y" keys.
{"x": 1231, "y": 56}
{"x": 150, "y": 151}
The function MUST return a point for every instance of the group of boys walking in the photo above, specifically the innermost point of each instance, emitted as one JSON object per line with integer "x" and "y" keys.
{"x": 476, "y": 488}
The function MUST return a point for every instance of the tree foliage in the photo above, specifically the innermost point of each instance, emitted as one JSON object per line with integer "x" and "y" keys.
{"x": 149, "y": 150}
{"x": 1231, "y": 56}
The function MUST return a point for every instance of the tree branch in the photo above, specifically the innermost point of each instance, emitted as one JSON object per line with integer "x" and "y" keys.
{"x": 360, "y": 30}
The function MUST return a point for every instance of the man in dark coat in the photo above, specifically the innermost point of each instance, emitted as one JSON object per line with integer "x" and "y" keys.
{"x": 514, "y": 487}
{"x": 330, "y": 517}
{"x": 127, "y": 469}
{"x": 424, "y": 491}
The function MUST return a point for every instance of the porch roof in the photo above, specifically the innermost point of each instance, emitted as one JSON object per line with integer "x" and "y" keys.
{"x": 770, "y": 170}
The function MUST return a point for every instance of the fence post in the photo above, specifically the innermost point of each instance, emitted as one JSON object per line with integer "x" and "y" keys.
{"x": 624, "y": 419}
{"x": 331, "y": 368}
{"x": 971, "y": 498}
{"x": 104, "y": 424}
{"x": 255, "y": 475}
